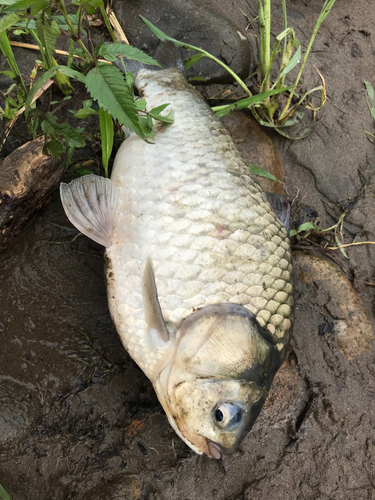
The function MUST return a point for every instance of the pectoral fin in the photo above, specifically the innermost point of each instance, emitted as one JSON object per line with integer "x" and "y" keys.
{"x": 90, "y": 204}
{"x": 153, "y": 314}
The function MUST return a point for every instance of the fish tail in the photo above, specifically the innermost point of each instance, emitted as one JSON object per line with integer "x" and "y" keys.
{"x": 90, "y": 203}
{"x": 167, "y": 54}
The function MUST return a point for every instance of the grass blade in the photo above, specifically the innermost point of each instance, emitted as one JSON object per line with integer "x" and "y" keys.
{"x": 50, "y": 74}
{"x": 263, "y": 173}
{"x": 248, "y": 101}
{"x": 3, "y": 494}
{"x": 107, "y": 135}
{"x": 112, "y": 51}
{"x": 6, "y": 49}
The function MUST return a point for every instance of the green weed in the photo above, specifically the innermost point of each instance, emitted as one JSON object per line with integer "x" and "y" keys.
{"x": 266, "y": 106}
{"x": 104, "y": 81}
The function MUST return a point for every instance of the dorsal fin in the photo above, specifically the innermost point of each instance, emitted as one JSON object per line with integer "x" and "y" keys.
{"x": 153, "y": 314}
{"x": 90, "y": 204}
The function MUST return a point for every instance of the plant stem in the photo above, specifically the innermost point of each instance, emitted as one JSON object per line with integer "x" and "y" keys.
{"x": 328, "y": 4}
{"x": 107, "y": 23}
{"x": 61, "y": 6}
{"x": 267, "y": 40}
{"x": 285, "y": 40}
{"x": 209, "y": 56}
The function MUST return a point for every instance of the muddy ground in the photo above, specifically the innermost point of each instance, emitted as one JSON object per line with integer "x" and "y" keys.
{"x": 79, "y": 420}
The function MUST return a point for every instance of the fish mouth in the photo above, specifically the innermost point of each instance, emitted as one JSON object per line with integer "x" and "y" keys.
{"x": 215, "y": 450}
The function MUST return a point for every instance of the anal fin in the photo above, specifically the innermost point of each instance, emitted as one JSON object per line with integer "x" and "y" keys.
{"x": 90, "y": 204}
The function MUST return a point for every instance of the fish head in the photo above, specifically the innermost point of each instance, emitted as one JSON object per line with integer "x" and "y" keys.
{"x": 218, "y": 378}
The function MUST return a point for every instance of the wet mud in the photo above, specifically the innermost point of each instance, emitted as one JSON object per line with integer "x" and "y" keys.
{"x": 78, "y": 418}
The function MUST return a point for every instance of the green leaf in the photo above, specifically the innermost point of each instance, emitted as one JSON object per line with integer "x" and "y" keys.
{"x": 9, "y": 74}
{"x": 306, "y": 226}
{"x": 48, "y": 31}
{"x": 84, "y": 113}
{"x": 106, "y": 84}
{"x": 8, "y": 21}
{"x": 293, "y": 62}
{"x": 50, "y": 74}
{"x": 87, "y": 103}
{"x": 141, "y": 104}
{"x": 169, "y": 118}
{"x": 52, "y": 128}
{"x": 83, "y": 171}
{"x": 6, "y": 49}
{"x": 38, "y": 6}
{"x": 155, "y": 113}
{"x": 74, "y": 18}
{"x": 190, "y": 61}
{"x": 18, "y": 5}
{"x": 245, "y": 103}
{"x": 263, "y": 173}
{"x": 112, "y": 51}
{"x": 107, "y": 135}
{"x": 197, "y": 79}
{"x": 54, "y": 148}
{"x": 3, "y": 494}
{"x": 161, "y": 35}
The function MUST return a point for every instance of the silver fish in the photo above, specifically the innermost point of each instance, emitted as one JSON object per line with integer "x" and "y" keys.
{"x": 199, "y": 271}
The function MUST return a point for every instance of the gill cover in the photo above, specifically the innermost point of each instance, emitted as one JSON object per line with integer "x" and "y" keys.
{"x": 214, "y": 386}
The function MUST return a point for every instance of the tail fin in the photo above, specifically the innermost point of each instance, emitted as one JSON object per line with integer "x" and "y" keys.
{"x": 166, "y": 53}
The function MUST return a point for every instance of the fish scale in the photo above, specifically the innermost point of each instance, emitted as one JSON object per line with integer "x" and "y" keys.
{"x": 191, "y": 204}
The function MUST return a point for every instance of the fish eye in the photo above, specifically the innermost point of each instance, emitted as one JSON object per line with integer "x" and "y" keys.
{"x": 227, "y": 415}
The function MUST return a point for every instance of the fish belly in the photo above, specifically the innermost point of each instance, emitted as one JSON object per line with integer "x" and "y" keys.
{"x": 191, "y": 204}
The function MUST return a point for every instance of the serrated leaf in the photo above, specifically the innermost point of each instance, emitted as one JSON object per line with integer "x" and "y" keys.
{"x": 106, "y": 85}
{"x": 54, "y": 148}
{"x": 48, "y": 31}
{"x": 51, "y": 127}
{"x": 190, "y": 61}
{"x": 114, "y": 50}
{"x": 262, "y": 173}
{"x": 74, "y": 18}
{"x": 84, "y": 113}
{"x": 38, "y": 6}
{"x": 107, "y": 135}
{"x": 8, "y": 21}
{"x": 18, "y": 5}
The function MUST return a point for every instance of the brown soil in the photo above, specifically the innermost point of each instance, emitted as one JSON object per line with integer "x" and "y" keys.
{"x": 79, "y": 420}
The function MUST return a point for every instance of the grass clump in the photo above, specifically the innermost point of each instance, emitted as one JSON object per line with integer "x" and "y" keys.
{"x": 267, "y": 106}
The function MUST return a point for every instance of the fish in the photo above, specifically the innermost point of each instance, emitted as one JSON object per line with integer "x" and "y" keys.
{"x": 198, "y": 263}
